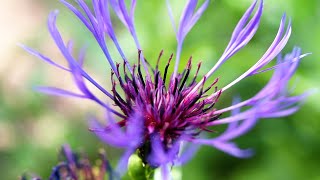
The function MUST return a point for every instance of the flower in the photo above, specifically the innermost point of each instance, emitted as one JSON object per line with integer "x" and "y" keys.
{"x": 161, "y": 112}
{"x": 75, "y": 167}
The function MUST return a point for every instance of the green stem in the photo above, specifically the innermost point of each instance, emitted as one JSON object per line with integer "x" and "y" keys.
{"x": 138, "y": 170}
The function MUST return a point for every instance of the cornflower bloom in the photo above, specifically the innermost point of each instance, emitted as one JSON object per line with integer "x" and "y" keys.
{"x": 75, "y": 166}
{"x": 161, "y": 112}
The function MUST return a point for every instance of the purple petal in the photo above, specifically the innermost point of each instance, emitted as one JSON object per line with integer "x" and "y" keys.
{"x": 196, "y": 17}
{"x": 248, "y": 32}
{"x": 115, "y": 6}
{"x": 282, "y": 113}
{"x": 135, "y": 129}
{"x": 165, "y": 172}
{"x": 187, "y": 154}
{"x": 123, "y": 162}
{"x": 241, "y": 129}
{"x": 42, "y": 57}
{"x": 241, "y": 35}
{"x": 68, "y": 153}
{"x": 58, "y": 92}
{"x": 157, "y": 155}
{"x": 232, "y": 149}
{"x": 58, "y": 40}
{"x": 95, "y": 27}
{"x": 187, "y": 21}
{"x": 79, "y": 15}
{"x": 242, "y": 22}
{"x": 171, "y": 16}
{"x": 185, "y": 17}
{"x": 108, "y": 135}
{"x": 119, "y": 7}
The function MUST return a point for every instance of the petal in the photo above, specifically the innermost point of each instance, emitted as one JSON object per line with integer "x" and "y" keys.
{"x": 58, "y": 92}
{"x": 58, "y": 40}
{"x": 233, "y": 149}
{"x": 108, "y": 135}
{"x": 42, "y": 57}
{"x": 123, "y": 162}
{"x": 187, "y": 153}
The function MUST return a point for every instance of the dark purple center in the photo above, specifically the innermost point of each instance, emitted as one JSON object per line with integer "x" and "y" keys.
{"x": 169, "y": 109}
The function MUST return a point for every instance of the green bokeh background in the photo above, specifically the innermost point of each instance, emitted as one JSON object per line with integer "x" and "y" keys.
{"x": 34, "y": 126}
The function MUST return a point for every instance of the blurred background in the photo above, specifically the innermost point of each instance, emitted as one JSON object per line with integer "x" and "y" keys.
{"x": 33, "y": 126}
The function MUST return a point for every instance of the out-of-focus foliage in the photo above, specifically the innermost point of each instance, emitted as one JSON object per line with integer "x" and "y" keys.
{"x": 34, "y": 126}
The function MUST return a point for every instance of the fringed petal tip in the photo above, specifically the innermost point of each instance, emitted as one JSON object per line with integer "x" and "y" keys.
{"x": 189, "y": 17}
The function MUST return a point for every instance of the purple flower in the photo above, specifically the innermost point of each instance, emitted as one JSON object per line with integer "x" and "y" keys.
{"x": 161, "y": 114}
{"x": 75, "y": 166}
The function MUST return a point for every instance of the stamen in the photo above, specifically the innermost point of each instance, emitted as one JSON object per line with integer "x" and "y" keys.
{"x": 140, "y": 75}
{"x": 175, "y": 86}
{"x": 160, "y": 55}
{"x": 148, "y": 64}
{"x": 215, "y": 81}
{"x": 156, "y": 80}
{"x": 187, "y": 74}
{"x": 209, "y": 107}
{"x": 196, "y": 75}
{"x": 166, "y": 69}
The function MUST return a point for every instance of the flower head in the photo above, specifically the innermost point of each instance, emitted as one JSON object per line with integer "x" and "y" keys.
{"x": 73, "y": 167}
{"x": 160, "y": 111}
